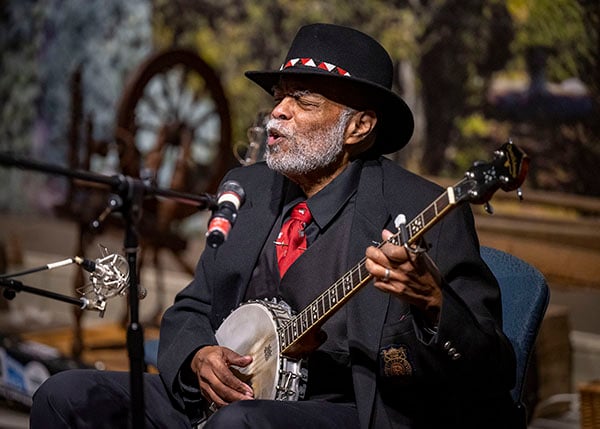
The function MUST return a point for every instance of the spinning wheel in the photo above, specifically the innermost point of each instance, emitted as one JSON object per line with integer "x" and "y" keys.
{"x": 174, "y": 105}
{"x": 173, "y": 126}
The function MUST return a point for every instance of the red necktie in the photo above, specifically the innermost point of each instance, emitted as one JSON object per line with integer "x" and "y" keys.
{"x": 291, "y": 241}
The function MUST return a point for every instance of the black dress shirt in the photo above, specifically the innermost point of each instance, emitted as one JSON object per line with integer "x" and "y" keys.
{"x": 332, "y": 209}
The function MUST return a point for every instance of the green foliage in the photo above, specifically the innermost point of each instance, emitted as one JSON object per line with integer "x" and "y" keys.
{"x": 454, "y": 49}
{"x": 236, "y": 36}
{"x": 474, "y": 131}
{"x": 557, "y": 24}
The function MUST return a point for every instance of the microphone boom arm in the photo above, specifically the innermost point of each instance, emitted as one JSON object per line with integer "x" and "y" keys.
{"x": 12, "y": 286}
{"x": 119, "y": 183}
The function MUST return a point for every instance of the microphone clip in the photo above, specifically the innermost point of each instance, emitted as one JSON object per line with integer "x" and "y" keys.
{"x": 109, "y": 277}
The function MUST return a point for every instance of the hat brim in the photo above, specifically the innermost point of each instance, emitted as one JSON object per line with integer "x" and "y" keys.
{"x": 395, "y": 123}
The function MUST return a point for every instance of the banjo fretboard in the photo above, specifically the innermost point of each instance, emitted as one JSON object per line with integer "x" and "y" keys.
{"x": 326, "y": 304}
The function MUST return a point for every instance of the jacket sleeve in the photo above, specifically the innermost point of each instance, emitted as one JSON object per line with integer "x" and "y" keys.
{"x": 189, "y": 324}
{"x": 219, "y": 283}
{"x": 185, "y": 328}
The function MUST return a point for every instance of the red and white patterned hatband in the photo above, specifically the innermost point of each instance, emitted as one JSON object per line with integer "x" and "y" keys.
{"x": 309, "y": 62}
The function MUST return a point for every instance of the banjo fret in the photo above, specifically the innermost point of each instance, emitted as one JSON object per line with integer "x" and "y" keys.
{"x": 356, "y": 275}
{"x": 347, "y": 283}
{"x": 332, "y": 296}
{"x": 427, "y": 218}
{"x": 320, "y": 306}
{"x": 429, "y": 214}
{"x": 441, "y": 203}
{"x": 303, "y": 320}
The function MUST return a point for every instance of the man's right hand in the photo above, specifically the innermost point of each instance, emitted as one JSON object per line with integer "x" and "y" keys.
{"x": 217, "y": 382}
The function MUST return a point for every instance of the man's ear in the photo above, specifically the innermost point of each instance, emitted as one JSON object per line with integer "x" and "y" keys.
{"x": 360, "y": 126}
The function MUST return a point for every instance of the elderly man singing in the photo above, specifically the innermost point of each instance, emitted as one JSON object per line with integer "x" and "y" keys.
{"x": 384, "y": 335}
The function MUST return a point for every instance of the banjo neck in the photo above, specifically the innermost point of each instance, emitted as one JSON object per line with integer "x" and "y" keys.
{"x": 293, "y": 335}
{"x": 506, "y": 171}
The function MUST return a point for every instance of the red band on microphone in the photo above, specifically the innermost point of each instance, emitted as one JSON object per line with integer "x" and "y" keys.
{"x": 220, "y": 224}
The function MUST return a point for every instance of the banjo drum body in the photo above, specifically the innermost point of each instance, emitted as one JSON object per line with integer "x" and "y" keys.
{"x": 253, "y": 329}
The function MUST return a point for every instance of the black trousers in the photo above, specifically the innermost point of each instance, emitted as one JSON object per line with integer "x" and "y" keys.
{"x": 100, "y": 399}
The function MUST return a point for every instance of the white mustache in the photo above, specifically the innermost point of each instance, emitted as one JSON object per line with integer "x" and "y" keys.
{"x": 275, "y": 127}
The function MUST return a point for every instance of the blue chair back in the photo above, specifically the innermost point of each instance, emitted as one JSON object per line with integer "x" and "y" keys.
{"x": 525, "y": 297}
{"x": 151, "y": 352}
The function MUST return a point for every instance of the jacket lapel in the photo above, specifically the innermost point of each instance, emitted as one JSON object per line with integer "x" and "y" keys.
{"x": 252, "y": 227}
{"x": 367, "y": 311}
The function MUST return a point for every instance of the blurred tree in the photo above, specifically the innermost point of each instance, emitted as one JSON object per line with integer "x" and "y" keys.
{"x": 463, "y": 43}
{"x": 253, "y": 35}
{"x": 107, "y": 39}
{"x": 564, "y": 141}
{"x": 452, "y": 43}
{"x": 20, "y": 41}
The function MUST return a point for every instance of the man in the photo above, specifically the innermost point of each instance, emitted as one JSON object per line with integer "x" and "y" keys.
{"x": 419, "y": 346}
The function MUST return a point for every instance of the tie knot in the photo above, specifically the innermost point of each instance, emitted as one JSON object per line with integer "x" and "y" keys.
{"x": 300, "y": 212}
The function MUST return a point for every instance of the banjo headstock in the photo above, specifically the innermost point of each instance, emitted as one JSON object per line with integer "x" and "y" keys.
{"x": 506, "y": 171}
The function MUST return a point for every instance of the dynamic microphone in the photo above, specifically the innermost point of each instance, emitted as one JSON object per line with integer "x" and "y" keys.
{"x": 229, "y": 199}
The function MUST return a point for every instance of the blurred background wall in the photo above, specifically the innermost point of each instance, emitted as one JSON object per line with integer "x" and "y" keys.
{"x": 155, "y": 89}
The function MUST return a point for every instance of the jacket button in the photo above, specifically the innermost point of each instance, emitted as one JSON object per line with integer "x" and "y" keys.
{"x": 447, "y": 345}
{"x": 456, "y": 356}
{"x": 452, "y": 351}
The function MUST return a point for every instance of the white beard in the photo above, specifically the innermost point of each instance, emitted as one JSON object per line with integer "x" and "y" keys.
{"x": 307, "y": 152}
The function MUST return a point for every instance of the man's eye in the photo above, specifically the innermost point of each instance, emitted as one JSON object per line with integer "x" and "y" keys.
{"x": 302, "y": 98}
{"x": 307, "y": 101}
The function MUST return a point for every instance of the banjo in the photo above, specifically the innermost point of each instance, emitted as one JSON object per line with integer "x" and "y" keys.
{"x": 278, "y": 340}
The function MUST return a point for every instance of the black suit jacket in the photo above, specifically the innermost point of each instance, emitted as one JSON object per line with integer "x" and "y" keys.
{"x": 402, "y": 376}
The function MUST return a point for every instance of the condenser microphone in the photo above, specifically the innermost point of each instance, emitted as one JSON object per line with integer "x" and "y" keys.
{"x": 229, "y": 199}
{"x": 90, "y": 266}
{"x": 110, "y": 271}
{"x": 109, "y": 277}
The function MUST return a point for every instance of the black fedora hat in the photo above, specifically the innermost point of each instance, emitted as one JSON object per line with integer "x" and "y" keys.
{"x": 347, "y": 58}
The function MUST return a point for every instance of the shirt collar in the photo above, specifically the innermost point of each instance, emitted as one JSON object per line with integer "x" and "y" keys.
{"x": 330, "y": 200}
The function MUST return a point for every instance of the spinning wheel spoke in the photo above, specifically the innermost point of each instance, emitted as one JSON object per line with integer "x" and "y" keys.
{"x": 146, "y": 112}
{"x": 154, "y": 98}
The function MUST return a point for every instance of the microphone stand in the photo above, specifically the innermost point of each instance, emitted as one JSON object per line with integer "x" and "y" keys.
{"x": 132, "y": 192}
{"x": 12, "y": 286}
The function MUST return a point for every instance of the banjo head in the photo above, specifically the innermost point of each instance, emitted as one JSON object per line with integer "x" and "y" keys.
{"x": 252, "y": 330}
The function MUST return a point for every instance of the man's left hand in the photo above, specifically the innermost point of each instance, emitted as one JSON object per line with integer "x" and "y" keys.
{"x": 412, "y": 277}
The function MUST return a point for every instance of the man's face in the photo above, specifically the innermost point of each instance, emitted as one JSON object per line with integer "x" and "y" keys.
{"x": 306, "y": 131}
